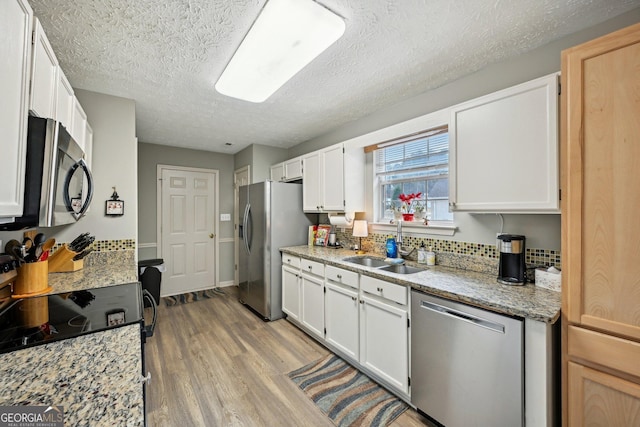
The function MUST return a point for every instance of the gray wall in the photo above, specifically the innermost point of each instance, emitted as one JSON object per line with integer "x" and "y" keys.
{"x": 542, "y": 231}
{"x": 115, "y": 148}
{"x": 260, "y": 158}
{"x": 151, "y": 155}
{"x": 536, "y": 63}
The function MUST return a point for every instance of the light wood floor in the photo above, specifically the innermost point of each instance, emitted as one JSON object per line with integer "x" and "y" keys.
{"x": 214, "y": 363}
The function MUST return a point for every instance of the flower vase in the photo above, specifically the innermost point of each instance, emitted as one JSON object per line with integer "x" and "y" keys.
{"x": 407, "y": 216}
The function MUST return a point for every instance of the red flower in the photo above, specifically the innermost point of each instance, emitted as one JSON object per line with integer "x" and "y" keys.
{"x": 407, "y": 198}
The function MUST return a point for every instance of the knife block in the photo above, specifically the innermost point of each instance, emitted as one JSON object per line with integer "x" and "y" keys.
{"x": 61, "y": 261}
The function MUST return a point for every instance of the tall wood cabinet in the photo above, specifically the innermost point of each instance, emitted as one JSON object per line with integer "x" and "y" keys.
{"x": 600, "y": 158}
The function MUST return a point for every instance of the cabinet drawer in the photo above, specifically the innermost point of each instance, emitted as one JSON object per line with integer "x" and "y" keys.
{"x": 344, "y": 277}
{"x": 390, "y": 291}
{"x": 291, "y": 260}
{"x": 312, "y": 267}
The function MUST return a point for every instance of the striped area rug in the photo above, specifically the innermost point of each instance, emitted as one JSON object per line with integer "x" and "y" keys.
{"x": 345, "y": 395}
{"x": 192, "y": 296}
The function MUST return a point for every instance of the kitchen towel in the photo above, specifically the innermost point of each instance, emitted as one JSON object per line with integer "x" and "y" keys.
{"x": 346, "y": 395}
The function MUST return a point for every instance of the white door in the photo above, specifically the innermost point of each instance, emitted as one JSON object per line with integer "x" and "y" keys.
{"x": 240, "y": 177}
{"x": 188, "y": 229}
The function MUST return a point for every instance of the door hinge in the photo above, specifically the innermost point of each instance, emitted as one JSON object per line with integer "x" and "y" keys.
{"x": 560, "y": 194}
{"x": 325, "y": 331}
{"x": 559, "y": 88}
{"x": 409, "y": 381}
{"x": 324, "y": 289}
{"x": 33, "y": 37}
{"x": 408, "y": 323}
{"x": 236, "y": 267}
{"x": 344, "y": 203}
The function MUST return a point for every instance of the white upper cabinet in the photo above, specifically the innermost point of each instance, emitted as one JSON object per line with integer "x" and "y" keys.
{"x": 504, "y": 150}
{"x": 333, "y": 180}
{"x": 88, "y": 145}
{"x": 16, "y": 20}
{"x": 277, "y": 172}
{"x": 78, "y": 124}
{"x": 291, "y": 170}
{"x": 65, "y": 98}
{"x": 44, "y": 75}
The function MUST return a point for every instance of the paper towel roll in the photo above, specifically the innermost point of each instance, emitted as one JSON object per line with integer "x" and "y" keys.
{"x": 345, "y": 220}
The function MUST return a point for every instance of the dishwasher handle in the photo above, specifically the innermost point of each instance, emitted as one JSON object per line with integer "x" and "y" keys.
{"x": 460, "y": 315}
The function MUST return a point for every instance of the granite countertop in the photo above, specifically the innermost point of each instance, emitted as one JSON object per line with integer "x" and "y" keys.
{"x": 95, "y": 377}
{"x": 95, "y": 276}
{"x": 478, "y": 289}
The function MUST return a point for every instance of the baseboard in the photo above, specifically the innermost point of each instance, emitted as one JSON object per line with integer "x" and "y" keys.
{"x": 227, "y": 283}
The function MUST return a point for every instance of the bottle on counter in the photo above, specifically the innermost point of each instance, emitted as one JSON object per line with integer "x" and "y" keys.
{"x": 431, "y": 256}
{"x": 392, "y": 247}
{"x": 422, "y": 254}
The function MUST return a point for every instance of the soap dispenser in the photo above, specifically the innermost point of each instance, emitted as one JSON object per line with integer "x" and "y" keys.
{"x": 392, "y": 247}
{"x": 422, "y": 254}
{"x": 431, "y": 257}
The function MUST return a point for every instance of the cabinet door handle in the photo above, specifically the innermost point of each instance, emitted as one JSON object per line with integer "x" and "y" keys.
{"x": 310, "y": 267}
{"x": 146, "y": 379}
{"x": 361, "y": 302}
{"x": 339, "y": 276}
{"x": 380, "y": 290}
{"x": 353, "y": 298}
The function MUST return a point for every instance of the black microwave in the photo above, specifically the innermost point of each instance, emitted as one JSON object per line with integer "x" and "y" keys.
{"x": 58, "y": 183}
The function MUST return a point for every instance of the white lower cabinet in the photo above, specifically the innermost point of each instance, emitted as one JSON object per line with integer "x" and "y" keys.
{"x": 291, "y": 292}
{"x": 342, "y": 317}
{"x": 363, "y": 319}
{"x": 313, "y": 296}
{"x": 384, "y": 338}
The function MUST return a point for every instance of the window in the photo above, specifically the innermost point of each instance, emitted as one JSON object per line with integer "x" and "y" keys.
{"x": 415, "y": 164}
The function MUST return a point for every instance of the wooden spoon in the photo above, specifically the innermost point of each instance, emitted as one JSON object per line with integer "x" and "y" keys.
{"x": 46, "y": 247}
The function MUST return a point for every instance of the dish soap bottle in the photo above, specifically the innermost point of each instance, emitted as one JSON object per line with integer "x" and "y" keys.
{"x": 422, "y": 254}
{"x": 392, "y": 247}
{"x": 431, "y": 256}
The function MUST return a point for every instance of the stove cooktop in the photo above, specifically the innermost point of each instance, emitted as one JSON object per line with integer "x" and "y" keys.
{"x": 39, "y": 320}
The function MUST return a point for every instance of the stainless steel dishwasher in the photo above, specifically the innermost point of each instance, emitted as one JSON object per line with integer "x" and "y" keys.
{"x": 466, "y": 364}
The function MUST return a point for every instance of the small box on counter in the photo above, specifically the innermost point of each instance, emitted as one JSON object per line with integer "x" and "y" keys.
{"x": 549, "y": 278}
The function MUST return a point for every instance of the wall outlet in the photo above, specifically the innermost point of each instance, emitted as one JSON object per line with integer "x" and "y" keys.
{"x": 225, "y": 217}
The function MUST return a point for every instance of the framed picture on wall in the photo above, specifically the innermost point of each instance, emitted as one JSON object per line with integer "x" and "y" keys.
{"x": 114, "y": 207}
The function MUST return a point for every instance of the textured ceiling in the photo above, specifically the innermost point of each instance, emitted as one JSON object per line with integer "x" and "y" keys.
{"x": 168, "y": 54}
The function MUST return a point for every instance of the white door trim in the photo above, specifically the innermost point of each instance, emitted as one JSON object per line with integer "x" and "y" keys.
{"x": 216, "y": 221}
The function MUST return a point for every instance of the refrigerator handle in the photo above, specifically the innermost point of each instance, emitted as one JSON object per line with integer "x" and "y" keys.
{"x": 245, "y": 234}
{"x": 249, "y": 229}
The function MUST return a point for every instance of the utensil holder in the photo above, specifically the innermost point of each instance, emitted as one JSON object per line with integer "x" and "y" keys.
{"x": 61, "y": 261}
{"x": 32, "y": 279}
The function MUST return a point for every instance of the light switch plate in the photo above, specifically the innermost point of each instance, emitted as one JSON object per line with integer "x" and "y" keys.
{"x": 225, "y": 217}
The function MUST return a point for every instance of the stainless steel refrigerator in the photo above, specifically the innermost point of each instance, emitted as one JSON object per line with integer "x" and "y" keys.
{"x": 270, "y": 217}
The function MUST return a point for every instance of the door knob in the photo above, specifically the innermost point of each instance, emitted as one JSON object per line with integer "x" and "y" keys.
{"x": 212, "y": 235}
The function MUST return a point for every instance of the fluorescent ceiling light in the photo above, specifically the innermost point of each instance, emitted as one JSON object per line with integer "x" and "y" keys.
{"x": 287, "y": 36}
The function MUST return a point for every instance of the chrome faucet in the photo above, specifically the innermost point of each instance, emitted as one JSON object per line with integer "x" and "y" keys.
{"x": 402, "y": 252}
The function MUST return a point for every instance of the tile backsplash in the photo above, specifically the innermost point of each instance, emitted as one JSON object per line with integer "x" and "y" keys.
{"x": 469, "y": 256}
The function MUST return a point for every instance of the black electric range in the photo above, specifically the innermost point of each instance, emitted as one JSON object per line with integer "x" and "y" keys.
{"x": 40, "y": 320}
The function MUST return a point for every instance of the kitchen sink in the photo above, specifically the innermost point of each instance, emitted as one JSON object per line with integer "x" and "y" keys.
{"x": 401, "y": 269}
{"x": 366, "y": 261}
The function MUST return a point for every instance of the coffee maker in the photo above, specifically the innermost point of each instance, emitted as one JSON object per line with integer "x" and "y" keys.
{"x": 512, "y": 264}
